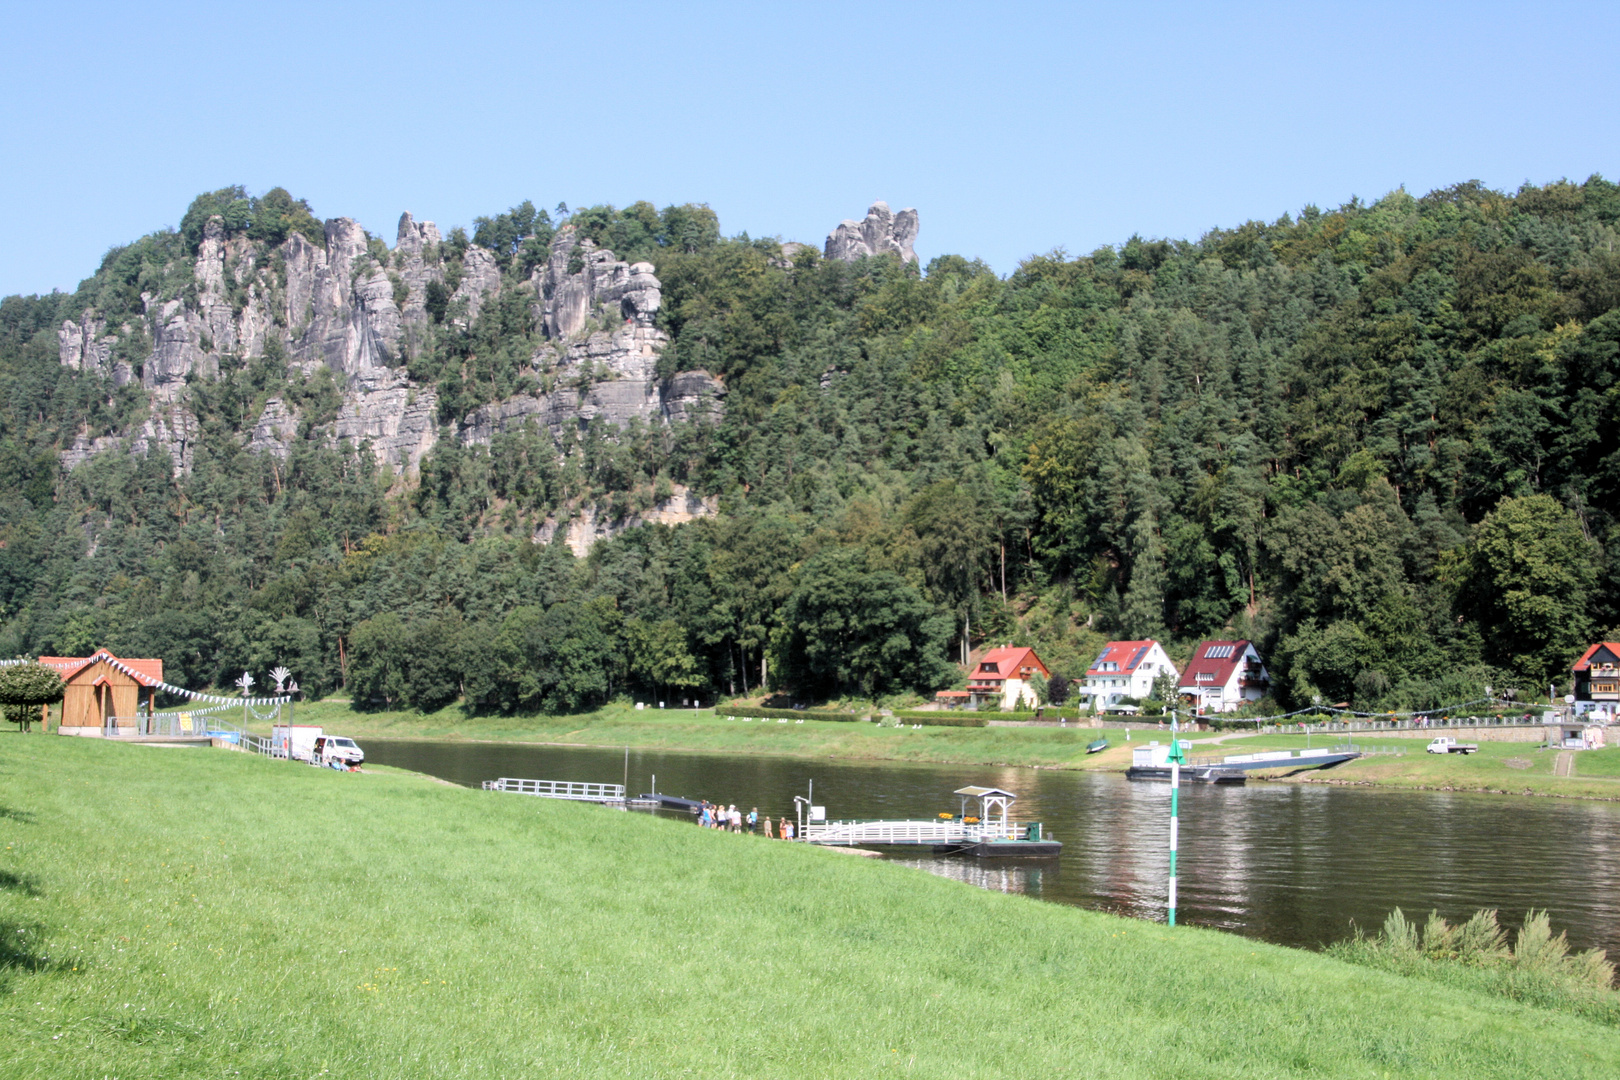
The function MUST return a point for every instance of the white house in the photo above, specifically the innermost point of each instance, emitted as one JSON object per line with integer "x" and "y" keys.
{"x": 1223, "y": 676}
{"x": 1126, "y": 669}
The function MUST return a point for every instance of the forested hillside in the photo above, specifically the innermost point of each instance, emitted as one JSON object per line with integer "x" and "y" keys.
{"x": 1380, "y": 441}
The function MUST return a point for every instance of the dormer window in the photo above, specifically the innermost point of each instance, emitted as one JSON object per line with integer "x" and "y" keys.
{"x": 991, "y": 668}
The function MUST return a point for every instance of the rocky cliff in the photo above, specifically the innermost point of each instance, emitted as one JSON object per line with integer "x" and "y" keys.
{"x": 880, "y": 232}
{"x": 354, "y": 307}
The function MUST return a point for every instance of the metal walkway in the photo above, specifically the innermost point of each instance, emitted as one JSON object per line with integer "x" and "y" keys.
{"x": 559, "y": 789}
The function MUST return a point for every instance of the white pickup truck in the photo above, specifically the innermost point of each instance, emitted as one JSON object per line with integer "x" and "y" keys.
{"x": 1445, "y": 744}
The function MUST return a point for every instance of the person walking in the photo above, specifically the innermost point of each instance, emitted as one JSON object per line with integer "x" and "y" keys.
{"x": 753, "y": 820}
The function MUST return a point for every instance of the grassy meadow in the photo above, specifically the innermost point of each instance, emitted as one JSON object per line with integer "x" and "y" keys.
{"x": 194, "y": 912}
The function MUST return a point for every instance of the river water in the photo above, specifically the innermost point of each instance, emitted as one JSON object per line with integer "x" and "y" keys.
{"x": 1287, "y": 863}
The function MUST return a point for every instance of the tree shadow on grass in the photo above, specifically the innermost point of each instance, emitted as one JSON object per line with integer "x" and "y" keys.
{"x": 24, "y": 816}
{"x": 18, "y": 883}
{"x": 20, "y": 945}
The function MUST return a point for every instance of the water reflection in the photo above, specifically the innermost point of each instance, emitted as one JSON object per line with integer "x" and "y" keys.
{"x": 1028, "y": 877}
{"x": 1285, "y": 863}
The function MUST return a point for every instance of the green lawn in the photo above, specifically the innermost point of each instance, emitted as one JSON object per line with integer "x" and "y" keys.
{"x": 188, "y": 912}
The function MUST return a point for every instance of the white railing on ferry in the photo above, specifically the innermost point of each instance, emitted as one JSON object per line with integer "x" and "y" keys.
{"x": 903, "y": 832}
{"x": 558, "y": 789}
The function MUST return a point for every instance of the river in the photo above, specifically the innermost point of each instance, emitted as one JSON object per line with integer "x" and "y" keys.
{"x": 1287, "y": 863}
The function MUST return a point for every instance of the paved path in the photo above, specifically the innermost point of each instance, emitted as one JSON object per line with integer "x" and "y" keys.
{"x": 1564, "y": 764}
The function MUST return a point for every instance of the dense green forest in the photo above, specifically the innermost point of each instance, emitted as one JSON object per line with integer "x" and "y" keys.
{"x": 1379, "y": 440}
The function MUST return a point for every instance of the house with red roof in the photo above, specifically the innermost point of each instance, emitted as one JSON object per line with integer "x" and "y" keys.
{"x": 104, "y": 692}
{"x": 1002, "y": 678}
{"x": 1223, "y": 676}
{"x": 1597, "y": 681}
{"x": 1125, "y": 669}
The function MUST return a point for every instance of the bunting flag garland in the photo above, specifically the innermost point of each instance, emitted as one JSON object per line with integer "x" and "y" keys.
{"x": 148, "y": 681}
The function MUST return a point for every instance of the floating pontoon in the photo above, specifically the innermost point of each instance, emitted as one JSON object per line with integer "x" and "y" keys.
{"x": 986, "y": 833}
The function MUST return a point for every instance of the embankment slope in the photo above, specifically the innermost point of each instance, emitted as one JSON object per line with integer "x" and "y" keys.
{"x": 196, "y": 912}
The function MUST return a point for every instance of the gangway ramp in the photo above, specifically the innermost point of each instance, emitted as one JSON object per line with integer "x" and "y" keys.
{"x": 559, "y": 789}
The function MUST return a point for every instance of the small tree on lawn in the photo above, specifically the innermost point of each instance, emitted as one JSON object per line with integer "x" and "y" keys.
{"x": 1040, "y": 688}
{"x": 1058, "y": 689}
{"x": 24, "y": 688}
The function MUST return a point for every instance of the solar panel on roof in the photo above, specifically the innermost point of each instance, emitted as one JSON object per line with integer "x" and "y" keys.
{"x": 1218, "y": 652}
{"x": 1135, "y": 657}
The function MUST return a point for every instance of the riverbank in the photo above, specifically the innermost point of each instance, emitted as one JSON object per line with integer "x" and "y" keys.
{"x": 1499, "y": 768}
{"x": 198, "y": 913}
{"x": 701, "y": 730}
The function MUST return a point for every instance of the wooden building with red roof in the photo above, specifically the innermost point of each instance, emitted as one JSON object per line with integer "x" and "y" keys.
{"x": 104, "y": 692}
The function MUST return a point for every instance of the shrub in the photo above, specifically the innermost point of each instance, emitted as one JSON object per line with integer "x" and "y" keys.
{"x": 785, "y": 714}
{"x": 945, "y": 718}
{"x": 1538, "y": 969}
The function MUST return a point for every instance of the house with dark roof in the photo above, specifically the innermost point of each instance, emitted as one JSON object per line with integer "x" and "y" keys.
{"x": 1597, "y": 681}
{"x": 1002, "y": 679}
{"x": 104, "y": 692}
{"x": 1223, "y": 676}
{"x": 1125, "y": 669}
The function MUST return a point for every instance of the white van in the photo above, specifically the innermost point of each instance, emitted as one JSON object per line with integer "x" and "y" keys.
{"x": 335, "y": 750}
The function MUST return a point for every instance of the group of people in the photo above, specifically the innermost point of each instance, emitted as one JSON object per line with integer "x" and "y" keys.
{"x": 715, "y": 816}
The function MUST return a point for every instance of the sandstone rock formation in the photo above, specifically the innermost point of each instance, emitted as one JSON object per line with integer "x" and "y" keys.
{"x": 350, "y": 306}
{"x": 603, "y": 288}
{"x": 607, "y": 374}
{"x": 480, "y": 280}
{"x": 881, "y": 232}
{"x": 590, "y": 524}
{"x": 85, "y": 346}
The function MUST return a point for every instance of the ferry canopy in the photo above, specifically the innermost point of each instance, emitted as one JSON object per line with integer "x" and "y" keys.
{"x": 985, "y": 792}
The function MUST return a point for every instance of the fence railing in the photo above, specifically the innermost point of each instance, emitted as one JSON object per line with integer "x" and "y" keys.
{"x": 168, "y": 725}
{"x": 905, "y": 832}
{"x": 1423, "y": 724}
{"x": 259, "y": 744}
{"x": 559, "y": 789}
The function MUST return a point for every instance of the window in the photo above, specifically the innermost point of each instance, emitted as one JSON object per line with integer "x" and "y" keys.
{"x": 1218, "y": 652}
{"x": 1604, "y": 687}
{"x": 992, "y": 668}
{"x": 1205, "y": 676}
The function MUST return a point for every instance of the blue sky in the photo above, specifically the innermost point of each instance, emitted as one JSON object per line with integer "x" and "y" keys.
{"x": 1013, "y": 128}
